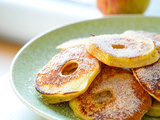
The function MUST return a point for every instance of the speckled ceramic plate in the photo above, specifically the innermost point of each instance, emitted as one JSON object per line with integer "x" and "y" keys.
{"x": 37, "y": 52}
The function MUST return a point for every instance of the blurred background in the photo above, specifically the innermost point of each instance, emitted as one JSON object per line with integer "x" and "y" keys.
{"x": 21, "y": 20}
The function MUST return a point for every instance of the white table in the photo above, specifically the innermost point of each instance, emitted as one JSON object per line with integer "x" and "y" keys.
{"x": 11, "y": 106}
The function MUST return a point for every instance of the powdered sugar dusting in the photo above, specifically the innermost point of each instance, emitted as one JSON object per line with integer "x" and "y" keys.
{"x": 74, "y": 53}
{"x": 51, "y": 77}
{"x": 126, "y": 102}
{"x": 149, "y": 76}
{"x": 134, "y": 46}
{"x": 150, "y": 35}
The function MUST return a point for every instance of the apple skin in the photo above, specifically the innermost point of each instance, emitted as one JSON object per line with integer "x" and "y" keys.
{"x": 110, "y": 7}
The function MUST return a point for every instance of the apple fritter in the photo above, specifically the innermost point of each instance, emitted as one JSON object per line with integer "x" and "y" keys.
{"x": 67, "y": 75}
{"x": 123, "y": 50}
{"x": 149, "y": 78}
{"x": 114, "y": 94}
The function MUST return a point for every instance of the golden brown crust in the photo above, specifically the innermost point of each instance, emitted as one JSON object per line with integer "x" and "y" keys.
{"x": 149, "y": 78}
{"x": 119, "y": 97}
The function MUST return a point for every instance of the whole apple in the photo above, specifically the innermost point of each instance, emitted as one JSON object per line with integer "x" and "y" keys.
{"x": 110, "y": 7}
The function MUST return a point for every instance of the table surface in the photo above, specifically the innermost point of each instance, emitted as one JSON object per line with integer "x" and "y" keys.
{"x": 12, "y": 108}
{"x": 7, "y": 53}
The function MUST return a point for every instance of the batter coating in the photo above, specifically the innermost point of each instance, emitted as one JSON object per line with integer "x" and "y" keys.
{"x": 126, "y": 51}
{"x": 67, "y": 75}
{"x": 114, "y": 94}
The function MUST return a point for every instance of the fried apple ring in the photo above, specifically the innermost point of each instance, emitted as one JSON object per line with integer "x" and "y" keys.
{"x": 123, "y": 50}
{"x": 114, "y": 94}
{"x": 67, "y": 75}
{"x": 155, "y": 37}
{"x": 149, "y": 78}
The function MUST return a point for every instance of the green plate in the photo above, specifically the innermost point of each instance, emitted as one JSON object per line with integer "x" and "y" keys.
{"x": 37, "y": 52}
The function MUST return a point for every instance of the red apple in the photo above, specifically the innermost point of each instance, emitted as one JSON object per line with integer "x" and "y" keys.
{"x": 110, "y": 7}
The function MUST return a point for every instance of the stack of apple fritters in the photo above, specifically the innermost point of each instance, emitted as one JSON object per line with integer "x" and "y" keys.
{"x": 91, "y": 76}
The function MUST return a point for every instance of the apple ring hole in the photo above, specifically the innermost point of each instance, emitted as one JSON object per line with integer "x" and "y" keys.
{"x": 114, "y": 46}
{"x": 69, "y": 67}
{"x": 103, "y": 97}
